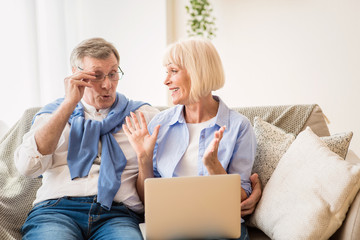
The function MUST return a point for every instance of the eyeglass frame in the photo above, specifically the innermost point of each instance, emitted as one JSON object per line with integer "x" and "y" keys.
{"x": 107, "y": 75}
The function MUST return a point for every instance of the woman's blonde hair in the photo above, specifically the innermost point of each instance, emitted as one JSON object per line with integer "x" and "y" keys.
{"x": 94, "y": 47}
{"x": 202, "y": 62}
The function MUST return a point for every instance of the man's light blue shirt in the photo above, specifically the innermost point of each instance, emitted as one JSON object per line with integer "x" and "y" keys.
{"x": 236, "y": 150}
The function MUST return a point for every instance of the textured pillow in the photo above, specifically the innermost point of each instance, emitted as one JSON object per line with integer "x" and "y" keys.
{"x": 272, "y": 143}
{"x": 309, "y": 192}
{"x": 339, "y": 143}
{"x": 17, "y": 192}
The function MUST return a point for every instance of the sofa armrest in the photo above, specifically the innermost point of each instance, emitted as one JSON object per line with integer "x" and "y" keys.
{"x": 350, "y": 229}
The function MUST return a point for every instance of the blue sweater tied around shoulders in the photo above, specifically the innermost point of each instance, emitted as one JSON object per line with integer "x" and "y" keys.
{"x": 83, "y": 145}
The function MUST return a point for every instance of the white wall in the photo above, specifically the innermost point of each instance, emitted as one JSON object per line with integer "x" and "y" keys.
{"x": 36, "y": 47}
{"x": 290, "y": 52}
{"x": 17, "y": 64}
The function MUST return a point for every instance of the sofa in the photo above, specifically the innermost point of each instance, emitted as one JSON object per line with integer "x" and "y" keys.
{"x": 18, "y": 192}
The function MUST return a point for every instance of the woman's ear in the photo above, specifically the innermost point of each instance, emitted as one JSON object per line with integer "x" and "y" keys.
{"x": 73, "y": 69}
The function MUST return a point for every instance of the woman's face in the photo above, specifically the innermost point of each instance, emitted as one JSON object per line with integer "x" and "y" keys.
{"x": 179, "y": 84}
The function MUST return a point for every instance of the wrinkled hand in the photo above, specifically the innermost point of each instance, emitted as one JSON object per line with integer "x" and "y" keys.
{"x": 210, "y": 158}
{"x": 248, "y": 205}
{"x": 139, "y": 137}
{"x": 75, "y": 85}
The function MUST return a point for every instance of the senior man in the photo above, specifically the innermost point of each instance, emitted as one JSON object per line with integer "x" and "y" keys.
{"x": 77, "y": 145}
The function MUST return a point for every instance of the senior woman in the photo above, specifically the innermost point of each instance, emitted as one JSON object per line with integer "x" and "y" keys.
{"x": 200, "y": 135}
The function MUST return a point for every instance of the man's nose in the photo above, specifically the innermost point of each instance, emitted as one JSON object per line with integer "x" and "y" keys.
{"x": 106, "y": 83}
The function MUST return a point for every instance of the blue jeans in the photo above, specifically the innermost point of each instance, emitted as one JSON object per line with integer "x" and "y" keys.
{"x": 80, "y": 218}
{"x": 244, "y": 232}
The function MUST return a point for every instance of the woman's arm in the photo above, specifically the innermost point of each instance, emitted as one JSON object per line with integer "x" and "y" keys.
{"x": 143, "y": 144}
{"x": 211, "y": 160}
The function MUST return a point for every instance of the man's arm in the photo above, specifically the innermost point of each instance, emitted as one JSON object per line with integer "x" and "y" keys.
{"x": 248, "y": 205}
{"x": 47, "y": 136}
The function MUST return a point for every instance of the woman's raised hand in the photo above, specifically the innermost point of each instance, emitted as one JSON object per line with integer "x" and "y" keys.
{"x": 139, "y": 136}
{"x": 210, "y": 158}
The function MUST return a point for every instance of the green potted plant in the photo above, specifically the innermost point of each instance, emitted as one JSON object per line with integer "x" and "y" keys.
{"x": 201, "y": 22}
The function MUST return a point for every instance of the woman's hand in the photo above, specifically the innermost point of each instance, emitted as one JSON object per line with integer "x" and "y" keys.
{"x": 210, "y": 158}
{"x": 140, "y": 139}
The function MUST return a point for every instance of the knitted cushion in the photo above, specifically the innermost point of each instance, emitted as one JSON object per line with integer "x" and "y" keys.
{"x": 17, "y": 192}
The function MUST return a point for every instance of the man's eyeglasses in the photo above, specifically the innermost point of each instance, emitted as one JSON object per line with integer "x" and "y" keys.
{"x": 113, "y": 75}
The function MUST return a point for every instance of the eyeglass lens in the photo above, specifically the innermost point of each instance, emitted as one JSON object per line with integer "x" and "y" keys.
{"x": 113, "y": 76}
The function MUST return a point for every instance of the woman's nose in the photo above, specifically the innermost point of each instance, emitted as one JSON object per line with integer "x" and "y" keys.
{"x": 167, "y": 79}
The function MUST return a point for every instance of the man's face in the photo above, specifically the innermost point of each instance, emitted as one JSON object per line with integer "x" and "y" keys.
{"x": 102, "y": 94}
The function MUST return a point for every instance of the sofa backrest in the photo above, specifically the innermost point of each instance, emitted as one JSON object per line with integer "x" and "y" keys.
{"x": 290, "y": 118}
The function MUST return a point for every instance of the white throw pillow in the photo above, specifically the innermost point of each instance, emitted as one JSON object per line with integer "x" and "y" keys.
{"x": 309, "y": 192}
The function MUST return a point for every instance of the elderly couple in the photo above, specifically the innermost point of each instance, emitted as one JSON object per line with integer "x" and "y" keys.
{"x": 94, "y": 148}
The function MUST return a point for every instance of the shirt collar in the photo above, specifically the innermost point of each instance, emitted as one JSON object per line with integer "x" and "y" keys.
{"x": 222, "y": 117}
{"x": 178, "y": 115}
{"x": 92, "y": 110}
{"x": 223, "y": 114}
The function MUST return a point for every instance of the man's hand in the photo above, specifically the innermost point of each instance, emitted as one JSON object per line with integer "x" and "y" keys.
{"x": 248, "y": 205}
{"x": 75, "y": 85}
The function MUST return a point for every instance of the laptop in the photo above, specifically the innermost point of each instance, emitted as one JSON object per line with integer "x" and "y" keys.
{"x": 193, "y": 207}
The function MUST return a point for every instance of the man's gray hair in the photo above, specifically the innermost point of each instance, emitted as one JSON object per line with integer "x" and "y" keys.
{"x": 94, "y": 47}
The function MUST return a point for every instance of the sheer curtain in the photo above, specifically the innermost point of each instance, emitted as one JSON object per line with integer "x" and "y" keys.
{"x": 38, "y": 36}
{"x": 34, "y": 54}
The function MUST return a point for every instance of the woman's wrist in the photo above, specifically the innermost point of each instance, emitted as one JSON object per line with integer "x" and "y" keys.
{"x": 214, "y": 167}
